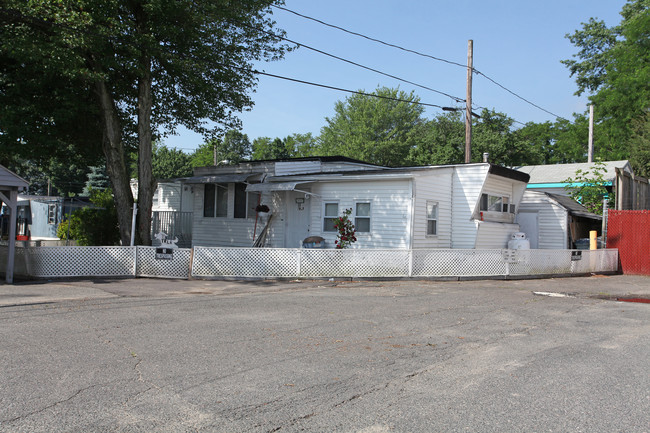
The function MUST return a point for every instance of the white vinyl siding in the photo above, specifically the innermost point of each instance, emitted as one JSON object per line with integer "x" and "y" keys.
{"x": 390, "y": 210}
{"x": 492, "y": 235}
{"x": 433, "y": 187}
{"x": 552, "y": 229}
{"x": 236, "y": 232}
{"x": 467, "y": 188}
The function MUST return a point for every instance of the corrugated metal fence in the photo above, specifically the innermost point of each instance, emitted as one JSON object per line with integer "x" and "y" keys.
{"x": 203, "y": 262}
{"x": 629, "y": 231}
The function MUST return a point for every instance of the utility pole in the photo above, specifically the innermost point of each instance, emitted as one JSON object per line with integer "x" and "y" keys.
{"x": 590, "y": 151}
{"x": 468, "y": 111}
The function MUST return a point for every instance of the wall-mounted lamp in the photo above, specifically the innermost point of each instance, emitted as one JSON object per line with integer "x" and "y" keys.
{"x": 300, "y": 201}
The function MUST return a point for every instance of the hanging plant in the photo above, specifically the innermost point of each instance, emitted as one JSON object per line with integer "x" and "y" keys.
{"x": 262, "y": 208}
{"x": 345, "y": 236}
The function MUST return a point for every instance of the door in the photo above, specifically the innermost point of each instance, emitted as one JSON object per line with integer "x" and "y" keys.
{"x": 298, "y": 221}
{"x": 529, "y": 224}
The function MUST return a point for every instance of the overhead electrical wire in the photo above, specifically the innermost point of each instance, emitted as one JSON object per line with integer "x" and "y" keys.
{"x": 474, "y": 70}
{"x": 455, "y": 98}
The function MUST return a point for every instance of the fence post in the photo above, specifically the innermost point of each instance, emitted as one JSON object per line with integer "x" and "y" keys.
{"x": 135, "y": 261}
{"x": 410, "y": 257}
{"x": 299, "y": 264}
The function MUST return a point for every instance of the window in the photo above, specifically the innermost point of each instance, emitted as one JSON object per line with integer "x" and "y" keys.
{"x": 254, "y": 198}
{"x": 432, "y": 218}
{"x": 330, "y": 215}
{"x": 362, "y": 218}
{"x": 51, "y": 213}
{"x": 240, "y": 200}
{"x": 495, "y": 203}
{"x": 215, "y": 200}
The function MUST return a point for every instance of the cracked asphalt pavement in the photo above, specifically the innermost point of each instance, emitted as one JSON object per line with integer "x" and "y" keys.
{"x": 368, "y": 357}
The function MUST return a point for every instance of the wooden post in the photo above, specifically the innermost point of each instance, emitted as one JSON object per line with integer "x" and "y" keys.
{"x": 468, "y": 112}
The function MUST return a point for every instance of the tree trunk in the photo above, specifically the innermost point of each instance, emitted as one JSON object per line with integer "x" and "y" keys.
{"x": 115, "y": 163}
{"x": 146, "y": 182}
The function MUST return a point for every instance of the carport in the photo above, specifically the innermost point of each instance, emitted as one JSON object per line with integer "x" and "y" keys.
{"x": 10, "y": 185}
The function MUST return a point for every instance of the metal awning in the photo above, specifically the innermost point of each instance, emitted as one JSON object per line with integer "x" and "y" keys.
{"x": 220, "y": 178}
{"x": 272, "y": 186}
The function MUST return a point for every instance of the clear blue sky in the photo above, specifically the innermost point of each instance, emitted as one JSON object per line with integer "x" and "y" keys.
{"x": 517, "y": 43}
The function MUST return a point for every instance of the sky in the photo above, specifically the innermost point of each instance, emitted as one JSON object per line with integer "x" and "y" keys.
{"x": 518, "y": 44}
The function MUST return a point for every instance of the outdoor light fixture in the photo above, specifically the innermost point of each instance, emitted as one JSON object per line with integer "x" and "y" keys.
{"x": 300, "y": 201}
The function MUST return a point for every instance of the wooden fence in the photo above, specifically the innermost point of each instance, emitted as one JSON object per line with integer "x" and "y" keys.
{"x": 629, "y": 231}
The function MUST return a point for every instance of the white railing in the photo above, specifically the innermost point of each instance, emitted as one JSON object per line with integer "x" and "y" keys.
{"x": 204, "y": 262}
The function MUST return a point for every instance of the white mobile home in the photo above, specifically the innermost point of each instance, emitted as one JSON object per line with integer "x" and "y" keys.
{"x": 454, "y": 206}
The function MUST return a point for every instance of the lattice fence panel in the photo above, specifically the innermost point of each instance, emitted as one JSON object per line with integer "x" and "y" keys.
{"x": 176, "y": 267}
{"x": 47, "y": 262}
{"x": 461, "y": 263}
{"x": 354, "y": 263}
{"x": 246, "y": 262}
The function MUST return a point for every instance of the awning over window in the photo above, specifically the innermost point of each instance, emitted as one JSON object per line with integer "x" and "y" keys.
{"x": 271, "y": 186}
{"x": 220, "y": 178}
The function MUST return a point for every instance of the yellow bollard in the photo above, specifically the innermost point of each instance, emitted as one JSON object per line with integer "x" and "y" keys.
{"x": 592, "y": 240}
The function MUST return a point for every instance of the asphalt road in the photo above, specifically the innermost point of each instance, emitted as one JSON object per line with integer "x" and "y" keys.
{"x": 369, "y": 357}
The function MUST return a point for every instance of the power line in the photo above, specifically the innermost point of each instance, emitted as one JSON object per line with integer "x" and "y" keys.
{"x": 370, "y": 38}
{"x": 357, "y": 92}
{"x": 476, "y": 71}
{"x": 356, "y": 64}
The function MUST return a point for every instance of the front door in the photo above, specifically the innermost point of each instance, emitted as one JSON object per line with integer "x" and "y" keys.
{"x": 298, "y": 220}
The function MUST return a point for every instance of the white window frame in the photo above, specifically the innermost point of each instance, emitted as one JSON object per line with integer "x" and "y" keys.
{"x": 217, "y": 186}
{"x": 52, "y": 213}
{"x": 433, "y": 218}
{"x": 368, "y": 217}
{"x": 326, "y": 217}
{"x": 505, "y": 213}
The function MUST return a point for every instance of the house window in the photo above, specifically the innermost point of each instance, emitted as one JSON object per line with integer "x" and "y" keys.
{"x": 215, "y": 200}
{"x": 51, "y": 213}
{"x": 432, "y": 218}
{"x": 240, "y": 200}
{"x": 330, "y": 215}
{"x": 362, "y": 218}
{"x": 254, "y": 198}
{"x": 496, "y": 203}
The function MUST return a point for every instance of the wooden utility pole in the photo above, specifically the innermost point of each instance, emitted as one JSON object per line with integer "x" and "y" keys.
{"x": 468, "y": 111}
{"x": 590, "y": 150}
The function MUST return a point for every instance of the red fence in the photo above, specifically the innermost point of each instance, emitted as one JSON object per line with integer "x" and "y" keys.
{"x": 629, "y": 231}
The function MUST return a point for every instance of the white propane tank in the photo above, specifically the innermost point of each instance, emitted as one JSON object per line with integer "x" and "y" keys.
{"x": 518, "y": 241}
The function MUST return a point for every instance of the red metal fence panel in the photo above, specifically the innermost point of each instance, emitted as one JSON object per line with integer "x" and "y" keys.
{"x": 629, "y": 231}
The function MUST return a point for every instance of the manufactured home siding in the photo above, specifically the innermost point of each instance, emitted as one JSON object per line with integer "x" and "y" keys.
{"x": 552, "y": 220}
{"x": 467, "y": 185}
{"x": 169, "y": 197}
{"x": 389, "y": 216}
{"x": 494, "y": 235}
{"x": 434, "y": 186}
{"x": 235, "y": 232}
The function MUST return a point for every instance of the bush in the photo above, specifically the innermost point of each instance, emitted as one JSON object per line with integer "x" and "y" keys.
{"x": 93, "y": 225}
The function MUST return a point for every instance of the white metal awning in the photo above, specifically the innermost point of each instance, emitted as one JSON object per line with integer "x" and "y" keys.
{"x": 272, "y": 186}
{"x": 220, "y": 178}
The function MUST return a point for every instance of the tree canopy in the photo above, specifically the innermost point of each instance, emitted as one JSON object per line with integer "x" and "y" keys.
{"x": 129, "y": 70}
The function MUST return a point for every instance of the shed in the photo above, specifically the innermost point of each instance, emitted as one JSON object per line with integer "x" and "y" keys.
{"x": 553, "y": 221}
{"x": 10, "y": 185}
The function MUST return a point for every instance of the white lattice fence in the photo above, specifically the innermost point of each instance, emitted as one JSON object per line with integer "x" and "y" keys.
{"x": 246, "y": 262}
{"x": 354, "y": 263}
{"x": 461, "y": 263}
{"x": 45, "y": 262}
{"x": 176, "y": 266}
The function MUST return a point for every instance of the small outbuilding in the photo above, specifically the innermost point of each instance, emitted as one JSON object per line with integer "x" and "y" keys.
{"x": 10, "y": 185}
{"x": 553, "y": 221}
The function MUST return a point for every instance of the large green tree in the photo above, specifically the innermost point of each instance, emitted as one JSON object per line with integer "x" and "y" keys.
{"x": 170, "y": 163}
{"x": 131, "y": 68}
{"x": 440, "y": 140}
{"x": 378, "y": 129}
{"x": 612, "y": 64}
